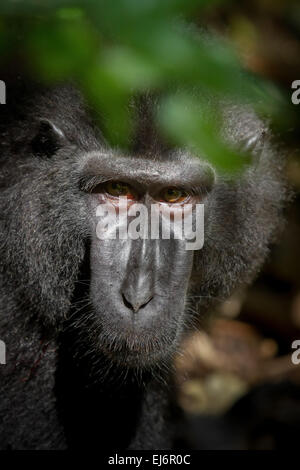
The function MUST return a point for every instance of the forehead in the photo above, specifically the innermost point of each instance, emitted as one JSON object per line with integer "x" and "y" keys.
{"x": 173, "y": 168}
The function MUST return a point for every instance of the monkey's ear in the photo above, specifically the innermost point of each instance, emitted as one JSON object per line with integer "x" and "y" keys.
{"x": 48, "y": 140}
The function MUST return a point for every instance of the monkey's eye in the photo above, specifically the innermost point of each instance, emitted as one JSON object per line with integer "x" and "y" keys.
{"x": 174, "y": 195}
{"x": 118, "y": 189}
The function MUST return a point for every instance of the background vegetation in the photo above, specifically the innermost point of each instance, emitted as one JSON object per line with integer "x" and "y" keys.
{"x": 123, "y": 48}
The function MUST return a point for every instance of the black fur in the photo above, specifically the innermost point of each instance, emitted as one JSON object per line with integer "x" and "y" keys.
{"x": 57, "y": 389}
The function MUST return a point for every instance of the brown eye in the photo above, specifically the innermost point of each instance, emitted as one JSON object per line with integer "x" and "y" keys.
{"x": 118, "y": 189}
{"x": 173, "y": 195}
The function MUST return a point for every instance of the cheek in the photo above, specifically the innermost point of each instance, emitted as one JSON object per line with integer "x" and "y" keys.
{"x": 108, "y": 260}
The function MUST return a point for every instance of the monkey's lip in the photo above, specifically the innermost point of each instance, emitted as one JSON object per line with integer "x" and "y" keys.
{"x": 136, "y": 360}
{"x": 138, "y": 354}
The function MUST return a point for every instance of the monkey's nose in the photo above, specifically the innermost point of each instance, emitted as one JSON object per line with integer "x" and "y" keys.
{"x": 137, "y": 289}
{"x": 136, "y": 304}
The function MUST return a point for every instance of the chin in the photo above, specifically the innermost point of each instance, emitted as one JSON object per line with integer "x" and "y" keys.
{"x": 138, "y": 351}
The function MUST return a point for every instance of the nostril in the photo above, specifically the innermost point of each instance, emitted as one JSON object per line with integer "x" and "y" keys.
{"x": 126, "y": 303}
{"x": 146, "y": 303}
{"x": 136, "y": 306}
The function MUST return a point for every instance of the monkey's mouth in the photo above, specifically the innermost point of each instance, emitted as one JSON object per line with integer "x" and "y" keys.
{"x": 137, "y": 351}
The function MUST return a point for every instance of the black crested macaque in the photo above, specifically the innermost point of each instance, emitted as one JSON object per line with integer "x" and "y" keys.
{"x": 91, "y": 325}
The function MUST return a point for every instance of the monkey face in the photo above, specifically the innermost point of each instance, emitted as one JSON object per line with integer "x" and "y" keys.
{"x": 133, "y": 307}
{"x": 139, "y": 279}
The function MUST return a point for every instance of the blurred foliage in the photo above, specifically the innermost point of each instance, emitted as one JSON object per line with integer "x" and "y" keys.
{"x": 122, "y": 48}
